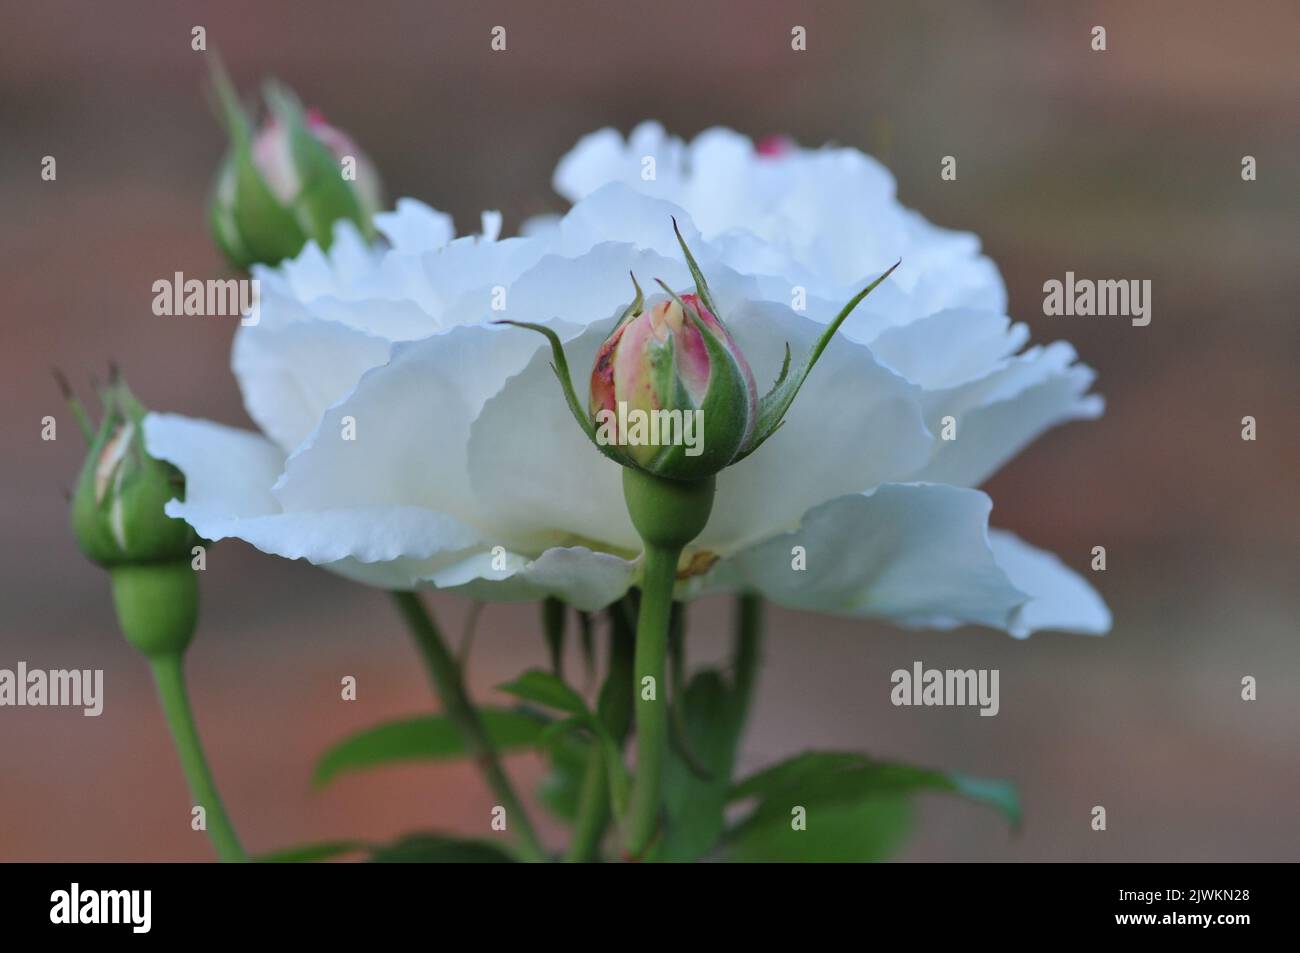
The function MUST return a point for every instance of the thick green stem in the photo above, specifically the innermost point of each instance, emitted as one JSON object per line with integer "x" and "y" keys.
{"x": 446, "y": 678}
{"x": 667, "y": 515}
{"x": 170, "y": 680}
{"x": 658, "y": 576}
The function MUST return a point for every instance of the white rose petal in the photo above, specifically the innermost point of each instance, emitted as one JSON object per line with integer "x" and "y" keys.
{"x": 467, "y": 473}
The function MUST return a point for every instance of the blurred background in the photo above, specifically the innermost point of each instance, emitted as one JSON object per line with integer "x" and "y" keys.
{"x": 1120, "y": 164}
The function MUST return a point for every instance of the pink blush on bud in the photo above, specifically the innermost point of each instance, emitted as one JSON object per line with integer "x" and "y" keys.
{"x": 774, "y": 146}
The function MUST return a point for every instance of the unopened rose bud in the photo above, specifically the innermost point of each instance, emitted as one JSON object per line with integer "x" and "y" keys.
{"x": 671, "y": 391}
{"x": 672, "y": 396}
{"x": 119, "y": 523}
{"x": 289, "y": 182}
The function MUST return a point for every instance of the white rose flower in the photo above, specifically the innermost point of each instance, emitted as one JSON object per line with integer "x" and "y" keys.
{"x": 407, "y": 441}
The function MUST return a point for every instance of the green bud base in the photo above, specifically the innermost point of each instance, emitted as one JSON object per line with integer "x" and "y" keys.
{"x": 667, "y": 513}
{"x": 157, "y": 605}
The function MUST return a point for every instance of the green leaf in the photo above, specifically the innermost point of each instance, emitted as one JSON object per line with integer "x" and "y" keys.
{"x": 556, "y": 729}
{"x": 694, "y": 805}
{"x": 561, "y": 788}
{"x": 619, "y": 782}
{"x": 314, "y": 853}
{"x": 426, "y": 738}
{"x": 851, "y": 832}
{"x": 855, "y": 805}
{"x": 546, "y": 689}
{"x": 441, "y": 849}
{"x": 844, "y": 775}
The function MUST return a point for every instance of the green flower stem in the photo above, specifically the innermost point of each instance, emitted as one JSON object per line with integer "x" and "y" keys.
{"x": 658, "y": 576}
{"x": 170, "y": 679}
{"x": 667, "y": 515}
{"x": 445, "y": 674}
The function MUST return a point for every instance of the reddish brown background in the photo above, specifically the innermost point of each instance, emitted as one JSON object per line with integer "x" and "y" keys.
{"x": 1117, "y": 164}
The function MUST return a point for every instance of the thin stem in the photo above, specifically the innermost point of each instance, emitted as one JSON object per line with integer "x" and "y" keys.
{"x": 616, "y": 704}
{"x": 748, "y": 652}
{"x": 553, "y": 630}
{"x": 615, "y": 710}
{"x": 658, "y": 576}
{"x": 446, "y": 678}
{"x": 170, "y": 680}
{"x": 593, "y": 810}
{"x": 467, "y": 637}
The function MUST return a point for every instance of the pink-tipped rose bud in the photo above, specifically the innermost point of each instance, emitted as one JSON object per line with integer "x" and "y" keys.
{"x": 273, "y": 156}
{"x": 671, "y": 392}
{"x": 671, "y": 395}
{"x": 288, "y": 182}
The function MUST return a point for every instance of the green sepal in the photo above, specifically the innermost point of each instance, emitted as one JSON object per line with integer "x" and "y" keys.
{"x": 701, "y": 286}
{"x": 773, "y": 407}
{"x": 78, "y": 411}
{"x": 633, "y": 309}
{"x": 560, "y": 365}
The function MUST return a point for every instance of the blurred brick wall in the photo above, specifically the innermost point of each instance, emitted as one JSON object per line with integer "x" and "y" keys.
{"x": 1122, "y": 164}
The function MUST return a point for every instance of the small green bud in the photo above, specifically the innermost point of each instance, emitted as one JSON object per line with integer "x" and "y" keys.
{"x": 119, "y": 523}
